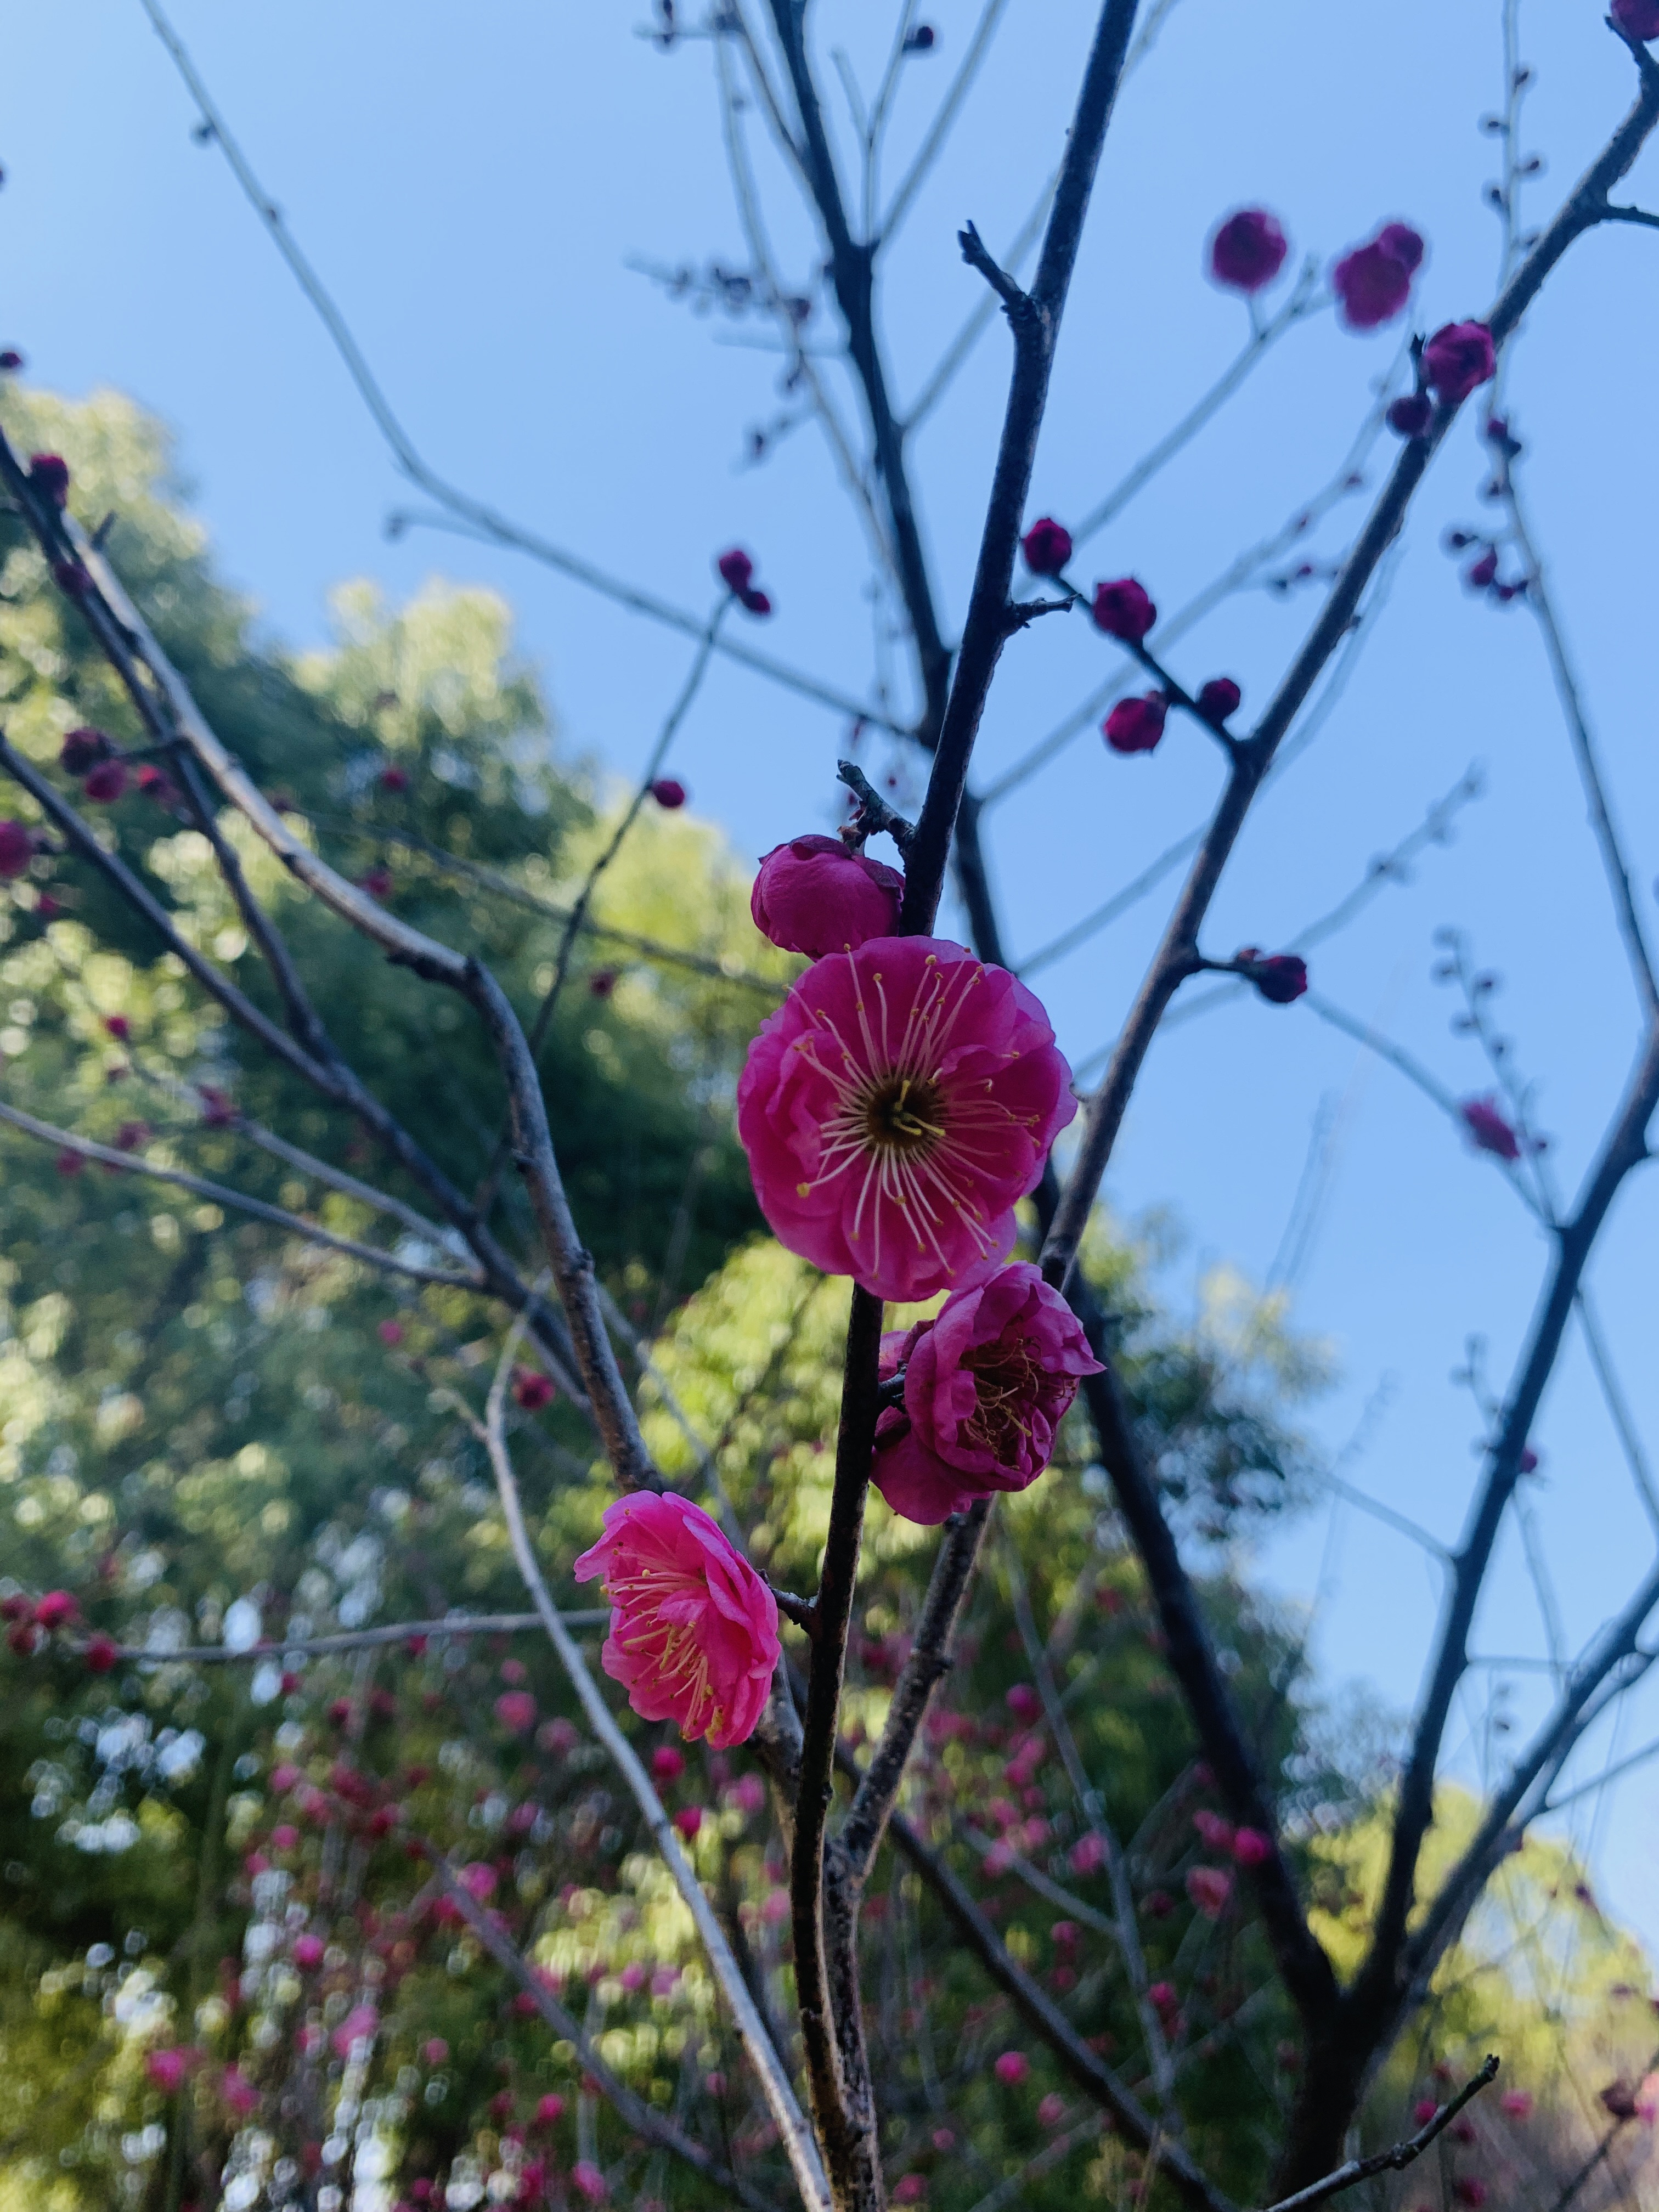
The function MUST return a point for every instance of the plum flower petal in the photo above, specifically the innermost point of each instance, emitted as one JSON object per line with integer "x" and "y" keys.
{"x": 1458, "y": 358}
{"x": 694, "y": 1629}
{"x": 987, "y": 1384}
{"x": 896, "y": 1108}
{"x": 1248, "y": 250}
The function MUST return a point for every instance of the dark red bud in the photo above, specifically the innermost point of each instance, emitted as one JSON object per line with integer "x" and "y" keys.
{"x": 1047, "y": 546}
{"x": 1411, "y": 416}
{"x": 1220, "y": 698}
{"x": 736, "y": 569}
{"x": 49, "y": 472}
{"x": 668, "y": 791}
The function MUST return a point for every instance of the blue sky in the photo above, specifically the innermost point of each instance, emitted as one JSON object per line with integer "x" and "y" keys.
{"x": 477, "y": 187}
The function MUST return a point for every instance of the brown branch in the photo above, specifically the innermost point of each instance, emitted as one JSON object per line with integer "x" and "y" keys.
{"x": 357, "y": 1639}
{"x": 1395, "y": 2159}
{"x": 874, "y": 815}
{"x": 218, "y": 1194}
{"x": 1584, "y": 208}
{"x": 1036, "y": 334}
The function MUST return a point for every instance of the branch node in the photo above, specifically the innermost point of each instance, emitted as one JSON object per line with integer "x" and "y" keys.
{"x": 1021, "y": 307}
{"x": 874, "y": 815}
{"x": 803, "y": 1611}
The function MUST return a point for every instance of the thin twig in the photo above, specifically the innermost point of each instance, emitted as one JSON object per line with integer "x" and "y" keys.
{"x": 774, "y": 2082}
{"x": 1395, "y": 2159}
{"x": 356, "y": 1639}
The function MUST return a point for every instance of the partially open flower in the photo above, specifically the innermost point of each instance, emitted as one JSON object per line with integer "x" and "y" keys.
{"x": 1458, "y": 358}
{"x": 813, "y": 896}
{"x": 1373, "y": 283}
{"x": 694, "y": 1629}
{"x": 1122, "y": 610}
{"x": 1047, "y": 546}
{"x": 516, "y": 1711}
{"x": 16, "y": 850}
{"x": 1135, "y": 726}
{"x": 1248, "y": 251}
{"x": 896, "y": 1108}
{"x": 987, "y": 1384}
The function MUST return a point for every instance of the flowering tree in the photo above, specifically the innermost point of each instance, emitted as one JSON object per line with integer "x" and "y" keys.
{"x": 898, "y": 1112}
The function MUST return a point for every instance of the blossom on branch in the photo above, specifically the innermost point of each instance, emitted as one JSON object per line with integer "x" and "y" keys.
{"x": 1218, "y": 698}
{"x": 1248, "y": 251}
{"x": 1047, "y": 546}
{"x": 814, "y": 896}
{"x": 668, "y": 791}
{"x": 1122, "y": 610}
{"x": 1373, "y": 283}
{"x": 894, "y": 1110}
{"x": 1457, "y": 359}
{"x": 694, "y": 1629}
{"x": 987, "y": 1384}
{"x": 1637, "y": 19}
{"x": 1135, "y": 726}
{"x": 16, "y": 850}
{"x": 1488, "y": 1129}
{"x": 49, "y": 473}
{"x": 82, "y": 749}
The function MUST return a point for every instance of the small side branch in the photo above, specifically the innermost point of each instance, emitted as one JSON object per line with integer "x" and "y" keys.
{"x": 874, "y": 815}
{"x": 1395, "y": 2160}
{"x": 976, "y": 253}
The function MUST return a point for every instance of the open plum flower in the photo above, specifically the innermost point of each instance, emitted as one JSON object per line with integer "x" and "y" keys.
{"x": 896, "y": 1108}
{"x": 987, "y": 1384}
{"x": 694, "y": 1629}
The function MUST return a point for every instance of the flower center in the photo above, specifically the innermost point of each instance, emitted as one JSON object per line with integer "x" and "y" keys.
{"x": 1007, "y": 1385}
{"x": 903, "y": 1114}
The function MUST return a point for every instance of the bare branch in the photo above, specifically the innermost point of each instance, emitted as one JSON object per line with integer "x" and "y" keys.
{"x": 216, "y": 1194}
{"x": 1395, "y": 2160}
{"x": 356, "y": 1639}
{"x": 874, "y": 815}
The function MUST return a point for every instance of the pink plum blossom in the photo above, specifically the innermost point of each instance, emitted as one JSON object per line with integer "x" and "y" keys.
{"x": 694, "y": 1629}
{"x": 167, "y": 2067}
{"x": 815, "y": 895}
{"x": 1209, "y": 1888}
{"x": 1011, "y": 2068}
{"x": 1122, "y": 610}
{"x": 1047, "y": 546}
{"x": 1457, "y": 359}
{"x": 1136, "y": 725}
{"x": 516, "y": 1711}
{"x": 1488, "y": 1129}
{"x": 896, "y": 1108}
{"x": 987, "y": 1384}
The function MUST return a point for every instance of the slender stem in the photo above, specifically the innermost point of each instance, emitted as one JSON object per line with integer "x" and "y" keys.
{"x": 774, "y": 2082}
{"x": 836, "y": 1586}
{"x": 1395, "y": 2159}
{"x": 356, "y": 1639}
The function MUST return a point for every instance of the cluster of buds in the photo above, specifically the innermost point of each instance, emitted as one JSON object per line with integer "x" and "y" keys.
{"x": 1480, "y": 574}
{"x": 737, "y": 572}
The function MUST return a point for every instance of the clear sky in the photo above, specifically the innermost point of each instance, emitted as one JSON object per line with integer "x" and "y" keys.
{"x": 478, "y": 187}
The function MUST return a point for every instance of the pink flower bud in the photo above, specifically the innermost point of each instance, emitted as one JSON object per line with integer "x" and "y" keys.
{"x": 1023, "y": 1701}
{"x": 82, "y": 751}
{"x": 1248, "y": 251}
{"x": 16, "y": 850}
{"x": 1123, "y": 610}
{"x": 435, "y": 2051}
{"x": 667, "y": 1764}
{"x": 480, "y": 1881}
{"x": 1410, "y": 417}
{"x": 1373, "y": 283}
{"x": 1047, "y": 546}
{"x": 55, "y": 1610}
{"x": 101, "y": 1655}
{"x": 548, "y": 2110}
{"x": 754, "y": 602}
{"x": 69, "y": 1164}
{"x": 668, "y": 791}
{"x": 218, "y": 1111}
{"x": 1637, "y": 19}
{"x": 1087, "y": 1855}
{"x": 736, "y": 569}
{"x": 1159, "y": 1903}
{"x": 516, "y": 1711}
{"x": 390, "y": 1333}
{"x": 238, "y": 2091}
{"x": 1220, "y": 698}
{"x": 309, "y": 1952}
{"x": 1161, "y": 1995}
{"x": 532, "y": 1390}
{"x": 1469, "y": 2192}
{"x": 378, "y": 883}
{"x": 1209, "y": 1888}
{"x": 1136, "y": 725}
{"x": 1252, "y": 1848}
{"x": 921, "y": 40}
{"x": 1488, "y": 1129}
{"x": 602, "y": 983}
{"x": 1458, "y": 358}
{"x": 1424, "y": 2110}
{"x": 10, "y": 359}
{"x": 1281, "y": 977}
{"x": 394, "y": 778}
{"x": 813, "y": 896}
{"x": 106, "y": 782}
{"x": 590, "y": 2182}
{"x": 1528, "y": 1462}
{"x": 49, "y": 473}
{"x": 688, "y": 1820}
{"x": 909, "y": 2188}
{"x": 1051, "y": 2111}
{"x": 1011, "y": 2068}
{"x": 560, "y": 1737}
